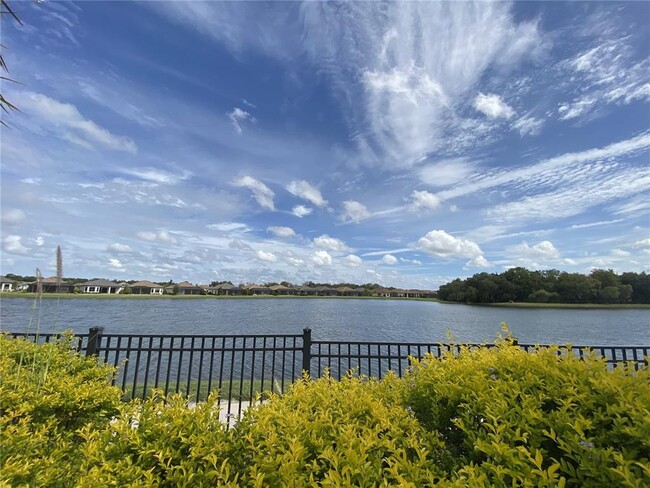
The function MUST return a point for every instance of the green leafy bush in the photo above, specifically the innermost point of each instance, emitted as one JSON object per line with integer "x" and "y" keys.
{"x": 486, "y": 417}
{"x": 161, "y": 442}
{"x": 512, "y": 418}
{"x": 335, "y": 433}
{"x": 48, "y": 393}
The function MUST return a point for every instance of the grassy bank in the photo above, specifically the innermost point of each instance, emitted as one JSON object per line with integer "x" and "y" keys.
{"x": 593, "y": 306}
{"x": 104, "y": 296}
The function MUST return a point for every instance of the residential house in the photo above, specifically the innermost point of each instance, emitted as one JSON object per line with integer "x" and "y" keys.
{"x": 100, "y": 286}
{"x": 257, "y": 289}
{"x": 282, "y": 290}
{"x": 146, "y": 288}
{"x": 187, "y": 288}
{"x": 326, "y": 291}
{"x": 224, "y": 289}
{"x": 51, "y": 285}
{"x": 307, "y": 291}
{"x": 6, "y": 284}
{"x": 346, "y": 291}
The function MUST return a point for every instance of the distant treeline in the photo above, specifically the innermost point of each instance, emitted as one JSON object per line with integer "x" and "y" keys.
{"x": 549, "y": 286}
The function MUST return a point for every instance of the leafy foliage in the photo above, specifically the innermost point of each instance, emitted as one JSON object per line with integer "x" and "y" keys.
{"x": 549, "y": 286}
{"x": 512, "y": 418}
{"x": 47, "y": 394}
{"x": 486, "y": 417}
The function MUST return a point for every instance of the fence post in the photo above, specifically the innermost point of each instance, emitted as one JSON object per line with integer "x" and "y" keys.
{"x": 94, "y": 340}
{"x": 306, "y": 351}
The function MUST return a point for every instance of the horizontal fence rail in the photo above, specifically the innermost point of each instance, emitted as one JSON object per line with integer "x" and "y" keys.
{"x": 243, "y": 368}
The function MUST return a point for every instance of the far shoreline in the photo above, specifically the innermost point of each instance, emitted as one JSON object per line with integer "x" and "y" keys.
{"x": 530, "y": 305}
{"x": 522, "y": 305}
{"x": 119, "y": 296}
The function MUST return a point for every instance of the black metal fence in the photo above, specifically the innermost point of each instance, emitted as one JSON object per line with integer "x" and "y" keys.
{"x": 242, "y": 366}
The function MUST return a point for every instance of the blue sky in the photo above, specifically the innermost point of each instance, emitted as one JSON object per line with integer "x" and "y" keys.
{"x": 399, "y": 143}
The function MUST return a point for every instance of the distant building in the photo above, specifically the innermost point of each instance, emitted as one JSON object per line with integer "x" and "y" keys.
{"x": 146, "y": 288}
{"x": 51, "y": 285}
{"x": 282, "y": 290}
{"x": 187, "y": 288}
{"x": 100, "y": 286}
{"x": 6, "y": 284}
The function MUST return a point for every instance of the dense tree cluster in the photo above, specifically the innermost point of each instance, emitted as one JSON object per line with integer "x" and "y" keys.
{"x": 549, "y": 286}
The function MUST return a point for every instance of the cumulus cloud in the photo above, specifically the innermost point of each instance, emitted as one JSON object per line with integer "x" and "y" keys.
{"x": 424, "y": 200}
{"x": 477, "y": 262}
{"x": 439, "y": 243}
{"x": 322, "y": 258}
{"x": 281, "y": 231}
{"x": 303, "y": 189}
{"x": 354, "y": 211}
{"x": 268, "y": 257}
{"x": 543, "y": 250}
{"x": 70, "y": 124}
{"x": 642, "y": 244}
{"x": 295, "y": 261}
{"x": 493, "y": 106}
{"x": 118, "y": 248}
{"x": 12, "y": 216}
{"x": 262, "y": 193}
{"x": 237, "y": 116}
{"x": 13, "y": 245}
{"x": 115, "y": 264}
{"x": 159, "y": 236}
{"x": 389, "y": 259}
{"x": 39, "y": 241}
{"x": 301, "y": 211}
{"x": 353, "y": 260}
{"x": 330, "y": 243}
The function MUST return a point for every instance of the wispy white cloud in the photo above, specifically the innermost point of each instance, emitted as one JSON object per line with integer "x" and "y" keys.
{"x": 13, "y": 245}
{"x": 305, "y": 190}
{"x": 528, "y": 125}
{"x": 66, "y": 121}
{"x": 354, "y": 211}
{"x": 262, "y": 193}
{"x": 424, "y": 200}
{"x": 116, "y": 265}
{"x": 118, "y": 248}
{"x": 157, "y": 236}
{"x": 446, "y": 172}
{"x": 416, "y": 65}
{"x": 553, "y": 168}
{"x": 492, "y": 106}
{"x": 237, "y": 116}
{"x": 265, "y": 256}
{"x": 12, "y": 216}
{"x": 157, "y": 175}
{"x": 281, "y": 231}
{"x": 301, "y": 211}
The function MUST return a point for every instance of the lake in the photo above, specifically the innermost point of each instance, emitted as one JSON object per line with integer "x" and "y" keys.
{"x": 330, "y": 319}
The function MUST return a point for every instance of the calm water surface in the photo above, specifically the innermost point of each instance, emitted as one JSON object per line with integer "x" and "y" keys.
{"x": 330, "y": 319}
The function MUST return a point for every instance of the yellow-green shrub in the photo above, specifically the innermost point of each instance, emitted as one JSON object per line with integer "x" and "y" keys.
{"x": 335, "y": 433}
{"x": 47, "y": 393}
{"x": 160, "y": 442}
{"x": 512, "y": 418}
